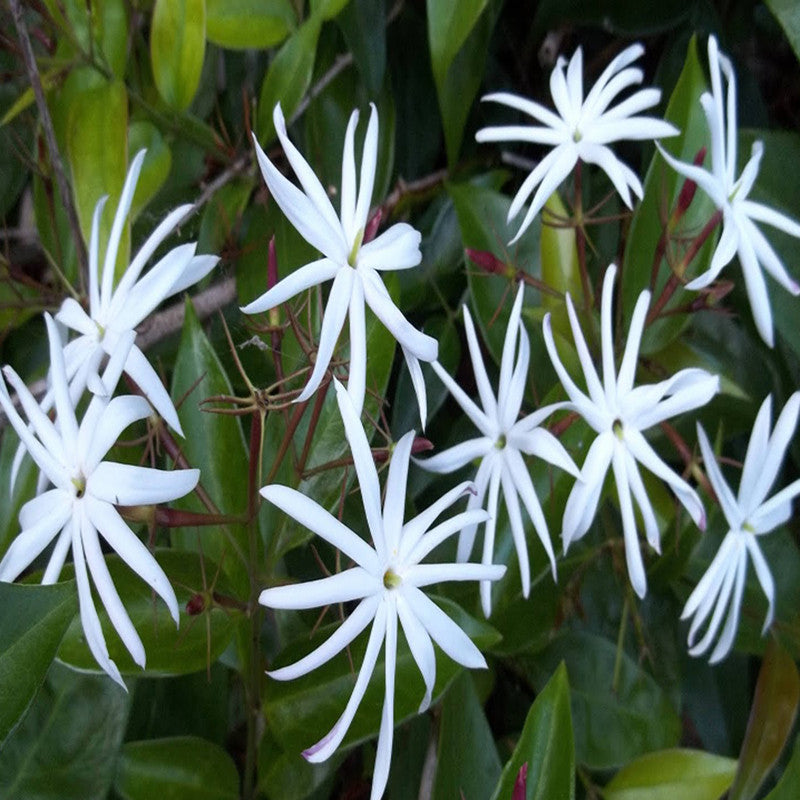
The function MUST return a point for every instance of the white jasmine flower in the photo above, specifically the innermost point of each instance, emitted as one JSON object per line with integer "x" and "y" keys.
{"x": 581, "y": 128}
{"x": 748, "y": 516}
{"x": 500, "y": 447}
{"x": 386, "y": 580}
{"x": 85, "y": 490}
{"x": 352, "y": 264}
{"x": 114, "y": 311}
{"x": 619, "y": 413}
{"x": 740, "y": 234}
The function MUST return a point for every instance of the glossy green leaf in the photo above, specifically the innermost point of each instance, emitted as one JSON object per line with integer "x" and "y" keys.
{"x": 170, "y": 650}
{"x": 183, "y": 768}
{"x": 177, "y": 48}
{"x": 613, "y": 722}
{"x": 288, "y": 77}
{"x": 33, "y": 620}
{"x": 458, "y": 37}
{"x": 143, "y": 135}
{"x": 302, "y": 710}
{"x": 787, "y": 12}
{"x": 673, "y": 775}
{"x": 66, "y": 746}
{"x": 546, "y": 745}
{"x": 241, "y": 24}
{"x": 467, "y": 763}
{"x": 199, "y": 374}
{"x": 787, "y": 785}
{"x": 559, "y": 255}
{"x": 363, "y": 23}
{"x": 97, "y": 146}
{"x": 772, "y": 716}
{"x": 327, "y": 9}
{"x": 661, "y": 188}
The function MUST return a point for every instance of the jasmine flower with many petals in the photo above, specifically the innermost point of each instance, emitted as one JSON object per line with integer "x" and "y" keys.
{"x": 85, "y": 490}
{"x": 619, "y": 413}
{"x": 740, "y": 234}
{"x": 504, "y": 439}
{"x": 352, "y": 264}
{"x": 387, "y": 583}
{"x": 748, "y": 516}
{"x": 581, "y": 129}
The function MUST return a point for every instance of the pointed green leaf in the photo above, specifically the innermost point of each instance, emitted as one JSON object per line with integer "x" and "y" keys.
{"x": 771, "y": 719}
{"x": 546, "y": 745}
{"x": 673, "y": 775}
{"x": 177, "y": 48}
{"x": 33, "y": 620}
{"x": 790, "y": 780}
{"x": 244, "y": 24}
{"x": 181, "y": 768}
{"x": 787, "y": 12}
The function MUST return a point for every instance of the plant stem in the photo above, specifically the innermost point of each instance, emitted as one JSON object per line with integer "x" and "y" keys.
{"x": 580, "y": 237}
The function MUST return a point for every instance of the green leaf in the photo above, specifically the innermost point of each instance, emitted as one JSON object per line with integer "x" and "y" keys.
{"x": 302, "y": 710}
{"x": 614, "y": 721}
{"x": 661, "y": 188}
{"x": 458, "y": 36}
{"x": 177, "y": 48}
{"x": 673, "y": 775}
{"x": 183, "y": 768}
{"x": 787, "y": 785}
{"x": 363, "y": 23}
{"x": 787, "y": 12}
{"x": 142, "y": 134}
{"x": 771, "y": 719}
{"x": 66, "y": 746}
{"x": 467, "y": 764}
{"x": 327, "y": 9}
{"x": 199, "y": 374}
{"x": 222, "y": 215}
{"x": 288, "y": 77}
{"x": 170, "y": 650}
{"x": 24, "y": 488}
{"x": 559, "y": 254}
{"x": 97, "y": 146}
{"x": 243, "y": 24}
{"x": 32, "y": 622}
{"x": 546, "y": 745}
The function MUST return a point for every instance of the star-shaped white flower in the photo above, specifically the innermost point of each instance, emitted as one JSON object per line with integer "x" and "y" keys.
{"x": 504, "y": 439}
{"x": 386, "y": 580}
{"x": 115, "y": 311}
{"x": 352, "y": 264}
{"x": 748, "y": 516}
{"x": 581, "y": 129}
{"x": 619, "y": 413}
{"x": 740, "y": 234}
{"x": 85, "y": 490}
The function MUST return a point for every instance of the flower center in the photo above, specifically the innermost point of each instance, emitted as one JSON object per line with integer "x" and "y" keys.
{"x": 501, "y": 442}
{"x": 749, "y": 528}
{"x": 391, "y": 580}
{"x": 619, "y": 431}
{"x": 351, "y": 259}
{"x": 576, "y": 136}
{"x": 79, "y": 483}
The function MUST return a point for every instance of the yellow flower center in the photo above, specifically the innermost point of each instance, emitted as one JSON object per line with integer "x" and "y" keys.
{"x": 616, "y": 426}
{"x": 391, "y": 580}
{"x": 501, "y": 442}
{"x": 80, "y": 486}
{"x": 351, "y": 259}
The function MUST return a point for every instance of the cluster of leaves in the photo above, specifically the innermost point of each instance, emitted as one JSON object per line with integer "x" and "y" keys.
{"x": 585, "y": 681}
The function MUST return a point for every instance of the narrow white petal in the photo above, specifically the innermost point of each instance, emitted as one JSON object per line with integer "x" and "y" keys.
{"x": 643, "y": 501}
{"x": 57, "y": 558}
{"x": 732, "y": 621}
{"x": 295, "y": 282}
{"x": 418, "y": 382}
{"x": 108, "y": 593}
{"x": 197, "y": 269}
{"x": 362, "y": 615}
{"x": 723, "y": 253}
{"x": 776, "y": 511}
{"x": 434, "y": 537}
{"x": 369, "y": 162}
{"x": 607, "y": 92}
{"x": 365, "y": 468}
{"x": 347, "y": 208}
{"x": 697, "y": 390}
{"x": 146, "y": 378}
{"x": 332, "y": 322}
{"x": 520, "y": 133}
{"x": 65, "y": 412}
{"x": 352, "y": 584}
{"x": 394, "y": 505}
{"x": 357, "y": 371}
{"x": 627, "y": 369}
{"x": 383, "y": 755}
{"x": 424, "y": 347}
{"x": 514, "y": 330}
{"x": 593, "y": 385}
{"x": 704, "y": 179}
{"x": 618, "y": 63}
{"x": 756, "y": 456}
{"x": 479, "y": 419}
{"x": 756, "y": 291}
{"x": 534, "y": 178}
{"x": 517, "y": 529}
{"x": 94, "y": 258}
{"x": 634, "y": 104}
{"x": 131, "y": 485}
{"x": 488, "y": 400}
{"x": 36, "y": 535}
{"x": 529, "y": 107}
{"x": 768, "y": 258}
{"x": 90, "y": 622}
{"x": 633, "y": 554}
{"x": 511, "y": 400}
{"x": 764, "y": 578}
{"x": 750, "y": 171}
{"x": 702, "y": 597}
{"x": 443, "y": 630}
{"x": 575, "y": 78}
{"x": 114, "y": 237}
{"x": 419, "y": 642}
{"x": 761, "y": 213}
{"x": 326, "y": 746}
{"x": 466, "y": 538}
{"x": 73, "y": 316}
{"x": 605, "y": 159}
{"x": 102, "y": 432}
{"x": 618, "y": 128}
{"x": 130, "y": 549}
{"x": 559, "y": 91}
{"x": 427, "y": 574}
{"x": 542, "y": 444}
{"x": 396, "y": 248}
{"x": 487, "y": 556}
{"x": 645, "y": 455}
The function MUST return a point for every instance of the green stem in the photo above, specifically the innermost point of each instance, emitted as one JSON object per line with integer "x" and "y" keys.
{"x": 580, "y": 237}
